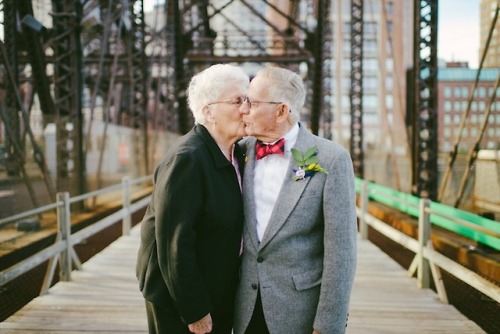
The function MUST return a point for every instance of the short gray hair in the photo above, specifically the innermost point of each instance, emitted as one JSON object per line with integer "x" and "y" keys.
{"x": 206, "y": 86}
{"x": 288, "y": 88}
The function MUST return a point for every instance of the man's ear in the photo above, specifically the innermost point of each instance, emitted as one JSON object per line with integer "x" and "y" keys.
{"x": 282, "y": 113}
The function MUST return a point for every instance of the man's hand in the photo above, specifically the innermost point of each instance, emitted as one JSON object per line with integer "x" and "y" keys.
{"x": 202, "y": 326}
{"x": 316, "y": 332}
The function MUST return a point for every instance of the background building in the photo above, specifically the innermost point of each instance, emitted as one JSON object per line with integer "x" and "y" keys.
{"x": 487, "y": 13}
{"x": 455, "y": 85}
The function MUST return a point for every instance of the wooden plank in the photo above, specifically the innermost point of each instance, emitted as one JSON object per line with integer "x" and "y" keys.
{"x": 104, "y": 298}
{"x": 385, "y": 300}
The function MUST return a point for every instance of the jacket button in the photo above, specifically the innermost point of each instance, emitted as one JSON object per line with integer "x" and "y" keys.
{"x": 260, "y": 259}
{"x": 254, "y": 286}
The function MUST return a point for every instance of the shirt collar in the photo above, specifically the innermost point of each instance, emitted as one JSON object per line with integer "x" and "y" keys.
{"x": 291, "y": 137}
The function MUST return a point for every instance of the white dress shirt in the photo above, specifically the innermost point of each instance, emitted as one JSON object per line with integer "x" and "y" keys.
{"x": 269, "y": 174}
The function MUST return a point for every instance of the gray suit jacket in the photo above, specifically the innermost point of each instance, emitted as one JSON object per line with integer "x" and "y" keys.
{"x": 304, "y": 267}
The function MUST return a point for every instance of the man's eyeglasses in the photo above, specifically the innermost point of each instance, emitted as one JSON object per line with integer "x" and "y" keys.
{"x": 240, "y": 100}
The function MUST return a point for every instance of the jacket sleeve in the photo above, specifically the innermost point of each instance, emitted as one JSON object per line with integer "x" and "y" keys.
{"x": 178, "y": 204}
{"x": 340, "y": 237}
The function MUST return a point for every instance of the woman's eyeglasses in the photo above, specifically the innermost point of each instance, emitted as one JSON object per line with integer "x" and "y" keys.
{"x": 242, "y": 99}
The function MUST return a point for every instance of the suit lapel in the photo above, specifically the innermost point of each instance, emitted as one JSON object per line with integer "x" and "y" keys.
{"x": 290, "y": 191}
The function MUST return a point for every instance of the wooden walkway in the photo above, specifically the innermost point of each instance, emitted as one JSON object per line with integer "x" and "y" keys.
{"x": 104, "y": 298}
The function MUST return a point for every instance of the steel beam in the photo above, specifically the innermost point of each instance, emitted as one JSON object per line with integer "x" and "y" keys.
{"x": 356, "y": 91}
{"x": 425, "y": 173}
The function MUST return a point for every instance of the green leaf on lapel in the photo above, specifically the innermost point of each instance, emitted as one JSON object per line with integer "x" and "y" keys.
{"x": 299, "y": 158}
{"x": 311, "y": 152}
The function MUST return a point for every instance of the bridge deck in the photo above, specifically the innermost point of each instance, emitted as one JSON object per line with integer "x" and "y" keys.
{"x": 103, "y": 298}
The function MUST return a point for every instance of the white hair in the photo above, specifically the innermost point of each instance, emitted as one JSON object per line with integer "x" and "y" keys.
{"x": 287, "y": 87}
{"x": 206, "y": 86}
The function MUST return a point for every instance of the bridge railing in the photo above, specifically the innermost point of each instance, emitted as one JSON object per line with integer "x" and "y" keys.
{"x": 62, "y": 251}
{"x": 427, "y": 260}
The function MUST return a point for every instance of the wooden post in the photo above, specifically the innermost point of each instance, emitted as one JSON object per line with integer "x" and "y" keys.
{"x": 64, "y": 226}
{"x": 363, "y": 226}
{"x": 127, "y": 219}
{"x": 424, "y": 227}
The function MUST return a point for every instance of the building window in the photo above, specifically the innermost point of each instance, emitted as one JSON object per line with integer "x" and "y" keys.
{"x": 370, "y": 83}
{"x": 465, "y": 91}
{"x": 390, "y": 8}
{"x": 389, "y": 101}
{"x": 447, "y": 106}
{"x": 370, "y": 64}
{"x": 389, "y": 82}
{"x": 346, "y": 103}
{"x": 457, "y": 91}
{"x": 447, "y": 119}
{"x": 464, "y": 105}
{"x": 370, "y": 28}
{"x": 370, "y": 46}
{"x": 474, "y": 106}
{"x": 482, "y": 106}
{"x": 370, "y": 101}
{"x": 389, "y": 64}
{"x": 447, "y": 91}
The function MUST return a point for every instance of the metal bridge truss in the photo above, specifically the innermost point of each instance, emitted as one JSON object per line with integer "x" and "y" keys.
{"x": 425, "y": 151}
{"x": 57, "y": 49}
{"x": 356, "y": 91}
{"x": 294, "y": 34}
{"x": 82, "y": 61}
{"x": 104, "y": 52}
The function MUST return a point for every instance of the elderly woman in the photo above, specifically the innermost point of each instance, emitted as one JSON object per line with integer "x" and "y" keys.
{"x": 191, "y": 232}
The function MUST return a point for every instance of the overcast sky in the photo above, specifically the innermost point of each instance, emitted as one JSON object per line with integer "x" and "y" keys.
{"x": 458, "y": 31}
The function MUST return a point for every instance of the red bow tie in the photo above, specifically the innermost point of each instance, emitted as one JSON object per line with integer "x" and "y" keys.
{"x": 262, "y": 150}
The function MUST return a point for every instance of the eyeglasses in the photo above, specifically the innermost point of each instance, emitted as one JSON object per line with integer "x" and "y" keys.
{"x": 240, "y": 100}
{"x": 256, "y": 103}
{"x": 236, "y": 101}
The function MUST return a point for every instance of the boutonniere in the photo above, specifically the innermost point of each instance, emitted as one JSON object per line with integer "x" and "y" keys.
{"x": 307, "y": 163}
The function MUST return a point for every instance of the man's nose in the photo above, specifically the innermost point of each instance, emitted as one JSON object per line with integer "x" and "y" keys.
{"x": 245, "y": 108}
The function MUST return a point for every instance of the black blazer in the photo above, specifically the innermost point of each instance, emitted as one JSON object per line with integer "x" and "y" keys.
{"x": 191, "y": 232}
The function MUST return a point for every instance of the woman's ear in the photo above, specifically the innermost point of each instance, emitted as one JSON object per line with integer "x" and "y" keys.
{"x": 207, "y": 114}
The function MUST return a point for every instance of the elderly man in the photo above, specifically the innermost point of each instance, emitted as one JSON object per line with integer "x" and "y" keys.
{"x": 300, "y": 230}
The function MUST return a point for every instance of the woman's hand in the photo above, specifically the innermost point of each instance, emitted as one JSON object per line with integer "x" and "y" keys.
{"x": 202, "y": 326}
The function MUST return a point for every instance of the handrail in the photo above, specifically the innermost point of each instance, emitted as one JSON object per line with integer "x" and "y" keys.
{"x": 467, "y": 224}
{"x": 426, "y": 257}
{"x": 62, "y": 249}
{"x": 427, "y": 260}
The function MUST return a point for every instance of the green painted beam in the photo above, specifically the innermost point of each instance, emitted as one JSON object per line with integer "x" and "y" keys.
{"x": 480, "y": 229}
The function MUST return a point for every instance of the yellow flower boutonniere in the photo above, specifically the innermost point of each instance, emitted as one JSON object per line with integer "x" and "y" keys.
{"x": 307, "y": 163}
